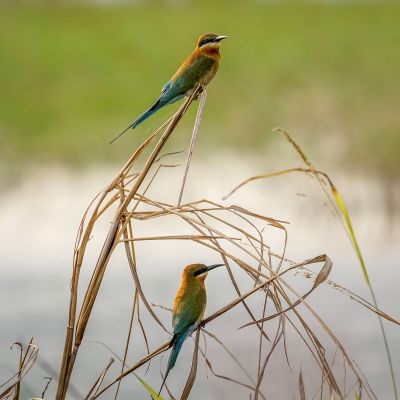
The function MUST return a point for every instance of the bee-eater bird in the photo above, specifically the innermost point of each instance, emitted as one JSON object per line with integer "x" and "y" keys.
{"x": 188, "y": 308}
{"x": 198, "y": 69}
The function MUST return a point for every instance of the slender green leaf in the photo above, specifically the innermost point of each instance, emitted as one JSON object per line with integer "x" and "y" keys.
{"x": 153, "y": 393}
{"x": 340, "y": 203}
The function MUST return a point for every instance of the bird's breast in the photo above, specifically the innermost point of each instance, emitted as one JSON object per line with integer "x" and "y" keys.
{"x": 199, "y": 68}
{"x": 189, "y": 305}
{"x": 210, "y": 64}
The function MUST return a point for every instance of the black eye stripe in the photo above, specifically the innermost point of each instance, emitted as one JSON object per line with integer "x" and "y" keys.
{"x": 200, "y": 271}
{"x": 206, "y": 40}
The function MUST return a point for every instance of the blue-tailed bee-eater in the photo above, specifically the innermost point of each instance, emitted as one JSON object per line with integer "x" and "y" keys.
{"x": 198, "y": 69}
{"x": 188, "y": 308}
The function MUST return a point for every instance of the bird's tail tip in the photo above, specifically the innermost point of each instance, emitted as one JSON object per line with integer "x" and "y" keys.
{"x": 163, "y": 383}
{"x": 169, "y": 367}
{"x": 131, "y": 126}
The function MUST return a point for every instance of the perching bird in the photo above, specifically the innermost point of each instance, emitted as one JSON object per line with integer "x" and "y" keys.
{"x": 199, "y": 68}
{"x": 188, "y": 308}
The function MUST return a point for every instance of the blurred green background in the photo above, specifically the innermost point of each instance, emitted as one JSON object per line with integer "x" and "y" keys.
{"x": 73, "y": 74}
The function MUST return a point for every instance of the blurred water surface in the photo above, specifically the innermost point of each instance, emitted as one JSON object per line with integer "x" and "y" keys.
{"x": 40, "y": 216}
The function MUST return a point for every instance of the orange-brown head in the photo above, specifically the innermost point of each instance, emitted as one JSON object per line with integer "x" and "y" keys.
{"x": 210, "y": 40}
{"x": 198, "y": 272}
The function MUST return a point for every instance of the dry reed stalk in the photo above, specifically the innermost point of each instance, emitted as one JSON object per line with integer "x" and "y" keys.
{"x": 196, "y": 127}
{"x": 210, "y": 318}
{"x": 340, "y": 210}
{"x": 95, "y": 388}
{"x": 233, "y": 233}
{"x": 27, "y": 359}
{"x": 72, "y": 343}
{"x": 193, "y": 371}
{"x": 123, "y": 362}
{"x": 320, "y": 278}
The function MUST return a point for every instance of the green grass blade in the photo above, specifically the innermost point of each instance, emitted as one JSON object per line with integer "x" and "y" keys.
{"x": 153, "y": 393}
{"x": 340, "y": 203}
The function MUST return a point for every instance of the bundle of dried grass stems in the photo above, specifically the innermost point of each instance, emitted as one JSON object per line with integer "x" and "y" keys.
{"x": 234, "y": 234}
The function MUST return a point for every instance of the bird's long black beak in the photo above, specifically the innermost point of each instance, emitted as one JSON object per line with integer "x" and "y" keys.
{"x": 219, "y": 38}
{"x": 210, "y": 267}
{"x": 207, "y": 268}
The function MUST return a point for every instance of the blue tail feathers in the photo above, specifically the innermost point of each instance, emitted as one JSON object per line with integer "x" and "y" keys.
{"x": 155, "y": 107}
{"x": 176, "y": 348}
{"x": 176, "y": 342}
{"x": 148, "y": 113}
